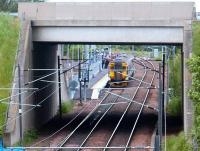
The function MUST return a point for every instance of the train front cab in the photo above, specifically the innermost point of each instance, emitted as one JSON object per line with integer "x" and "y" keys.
{"x": 118, "y": 73}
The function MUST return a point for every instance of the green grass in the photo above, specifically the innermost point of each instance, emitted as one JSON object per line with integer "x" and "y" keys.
{"x": 67, "y": 106}
{"x": 175, "y": 104}
{"x": 194, "y": 68}
{"x": 29, "y": 137}
{"x": 177, "y": 143}
{"x": 141, "y": 53}
{"x": 9, "y": 29}
{"x": 196, "y": 38}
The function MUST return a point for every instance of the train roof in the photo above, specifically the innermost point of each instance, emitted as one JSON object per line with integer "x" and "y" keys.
{"x": 122, "y": 59}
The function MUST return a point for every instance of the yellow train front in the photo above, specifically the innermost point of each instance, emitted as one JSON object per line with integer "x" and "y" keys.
{"x": 119, "y": 72}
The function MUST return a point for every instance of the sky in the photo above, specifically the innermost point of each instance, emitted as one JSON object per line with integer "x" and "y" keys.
{"x": 197, "y": 2}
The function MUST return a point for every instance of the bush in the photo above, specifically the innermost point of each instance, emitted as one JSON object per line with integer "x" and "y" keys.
{"x": 196, "y": 38}
{"x": 29, "y": 137}
{"x": 67, "y": 106}
{"x": 178, "y": 143}
{"x": 194, "y": 93}
{"x": 174, "y": 106}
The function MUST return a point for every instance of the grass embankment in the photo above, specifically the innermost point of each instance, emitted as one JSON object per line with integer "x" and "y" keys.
{"x": 9, "y": 29}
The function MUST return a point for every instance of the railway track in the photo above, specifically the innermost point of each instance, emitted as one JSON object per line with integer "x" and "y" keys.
{"x": 104, "y": 128}
{"x": 85, "y": 129}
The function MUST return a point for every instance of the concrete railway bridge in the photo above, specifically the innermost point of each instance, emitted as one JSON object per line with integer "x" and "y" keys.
{"x": 45, "y": 25}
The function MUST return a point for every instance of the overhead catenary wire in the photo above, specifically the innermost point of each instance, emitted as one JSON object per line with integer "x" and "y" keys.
{"x": 30, "y": 108}
{"x": 129, "y": 101}
{"x": 104, "y": 114}
{"x": 131, "y": 78}
{"x": 13, "y": 96}
{"x": 134, "y": 126}
{"x": 87, "y": 147}
{"x": 10, "y": 97}
{"x": 132, "y": 87}
{"x": 30, "y": 82}
{"x": 45, "y": 76}
{"x": 33, "y": 93}
{"x": 48, "y": 81}
{"x": 64, "y": 140}
{"x": 23, "y": 104}
{"x": 18, "y": 88}
{"x": 59, "y": 129}
{"x": 129, "y": 104}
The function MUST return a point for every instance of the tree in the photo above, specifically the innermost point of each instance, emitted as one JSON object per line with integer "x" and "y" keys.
{"x": 8, "y": 6}
{"x": 11, "y": 5}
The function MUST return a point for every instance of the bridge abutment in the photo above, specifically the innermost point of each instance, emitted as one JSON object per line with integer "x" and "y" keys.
{"x": 45, "y": 57}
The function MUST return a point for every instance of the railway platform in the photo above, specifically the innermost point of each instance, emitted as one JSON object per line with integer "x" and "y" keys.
{"x": 95, "y": 85}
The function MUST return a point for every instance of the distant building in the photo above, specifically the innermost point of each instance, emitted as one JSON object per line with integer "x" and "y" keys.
{"x": 14, "y": 14}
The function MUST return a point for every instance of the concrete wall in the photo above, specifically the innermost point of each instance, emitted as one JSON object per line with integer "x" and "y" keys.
{"x": 107, "y": 11}
{"x": 45, "y": 57}
{"x": 11, "y": 131}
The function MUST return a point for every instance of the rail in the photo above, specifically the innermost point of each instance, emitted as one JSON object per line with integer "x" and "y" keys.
{"x": 139, "y": 114}
{"x": 111, "y": 137}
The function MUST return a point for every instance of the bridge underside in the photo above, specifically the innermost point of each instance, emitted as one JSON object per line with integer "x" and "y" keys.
{"x": 109, "y": 34}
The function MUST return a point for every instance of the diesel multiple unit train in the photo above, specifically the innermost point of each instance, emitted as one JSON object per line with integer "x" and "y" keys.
{"x": 119, "y": 71}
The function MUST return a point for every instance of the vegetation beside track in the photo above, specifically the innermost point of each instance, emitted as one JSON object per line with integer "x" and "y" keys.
{"x": 29, "y": 137}
{"x": 194, "y": 92}
{"x": 175, "y": 101}
{"x": 177, "y": 143}
{"x": 9, "y": 30}
{"x": 67, "y": 106}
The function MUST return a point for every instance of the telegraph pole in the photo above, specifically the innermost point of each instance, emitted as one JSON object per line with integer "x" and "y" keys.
{"x": 20, "y": 106}
{"x": 163, "y": 78}
{"x": 79, "y": 74}
{"x": 160, "y": 114}
{"x": 59, "y": 88}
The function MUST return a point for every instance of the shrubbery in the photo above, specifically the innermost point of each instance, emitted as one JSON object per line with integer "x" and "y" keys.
{"x": 67, "y": 106}
{"x": 174, "y": 106}
{"x": 175, "y": 101}
{"x": 177, "y": 143}
{"x": 194, "y": 93}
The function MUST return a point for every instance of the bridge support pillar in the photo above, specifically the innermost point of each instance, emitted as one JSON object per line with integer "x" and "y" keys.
{"x": 45, "y": 57}
{"x": 187, "y": 50}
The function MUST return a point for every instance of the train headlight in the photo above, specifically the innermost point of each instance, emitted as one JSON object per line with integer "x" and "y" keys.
{"x": 111, "y": 65}
{"x": 124, "y": 75}
{"x": 124, "y": 64}
{"x": 112, "y": 74}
